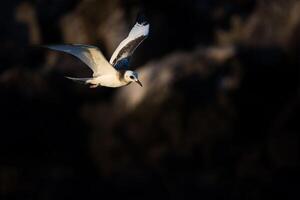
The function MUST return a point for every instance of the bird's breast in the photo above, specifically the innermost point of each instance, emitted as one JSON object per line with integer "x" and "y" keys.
{"x": 109, "y": 81}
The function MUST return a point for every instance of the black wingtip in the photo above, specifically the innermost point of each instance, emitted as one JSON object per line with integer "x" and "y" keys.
{"x": 141, "y": 19}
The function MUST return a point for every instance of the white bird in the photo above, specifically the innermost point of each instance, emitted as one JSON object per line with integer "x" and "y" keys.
{"x": 113, "y": 73}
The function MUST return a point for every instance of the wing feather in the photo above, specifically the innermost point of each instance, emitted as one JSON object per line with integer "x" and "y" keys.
{"x": 88, "y": 54}
{"x": 126, "y": 48}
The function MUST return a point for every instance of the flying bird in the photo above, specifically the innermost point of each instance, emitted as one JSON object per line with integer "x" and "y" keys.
{"x": 114, "y": 73}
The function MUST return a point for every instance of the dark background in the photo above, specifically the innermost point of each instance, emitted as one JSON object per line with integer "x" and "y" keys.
{"x": 224, "y": 126}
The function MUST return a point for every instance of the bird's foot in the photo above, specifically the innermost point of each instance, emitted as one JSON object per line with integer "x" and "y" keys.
{"x": 94, "y": 86}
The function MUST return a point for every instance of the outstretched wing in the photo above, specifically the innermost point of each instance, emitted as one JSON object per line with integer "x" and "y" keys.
{"x": 138, "y": 33}
{"x": 88, "y": 54}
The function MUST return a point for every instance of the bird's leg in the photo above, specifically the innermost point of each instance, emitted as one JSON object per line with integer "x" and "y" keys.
{"x": 94, "y": 86}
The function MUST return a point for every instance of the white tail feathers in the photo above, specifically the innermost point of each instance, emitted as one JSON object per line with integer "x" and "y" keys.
{"x": 80, "y": 80}
{"x": 83, "y": 81}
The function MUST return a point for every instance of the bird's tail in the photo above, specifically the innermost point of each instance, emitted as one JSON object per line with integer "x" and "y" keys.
{"x": 80, "y": 80}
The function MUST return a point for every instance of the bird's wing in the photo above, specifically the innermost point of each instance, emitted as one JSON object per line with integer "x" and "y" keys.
{"x": 138, "y": 33}
{"x": 88, "y": 54}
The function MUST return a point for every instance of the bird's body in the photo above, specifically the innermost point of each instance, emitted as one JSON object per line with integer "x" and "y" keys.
{"x": 114, "y": 73}
{"x": 109, "y": 80}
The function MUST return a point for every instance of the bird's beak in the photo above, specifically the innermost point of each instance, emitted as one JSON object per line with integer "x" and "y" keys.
{"x": 139, "y": 82}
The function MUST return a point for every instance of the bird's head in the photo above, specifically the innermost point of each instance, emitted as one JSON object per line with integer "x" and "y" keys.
{"x": 131, "y": 76}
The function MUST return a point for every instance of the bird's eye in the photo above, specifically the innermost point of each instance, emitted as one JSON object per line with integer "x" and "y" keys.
{"x": 131, "y": 77}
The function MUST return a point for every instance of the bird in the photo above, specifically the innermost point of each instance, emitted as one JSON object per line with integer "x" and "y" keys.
{"x": 114, "y": 73}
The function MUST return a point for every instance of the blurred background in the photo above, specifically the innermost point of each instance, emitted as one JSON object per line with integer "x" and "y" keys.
{"x": 217, "y": 117}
